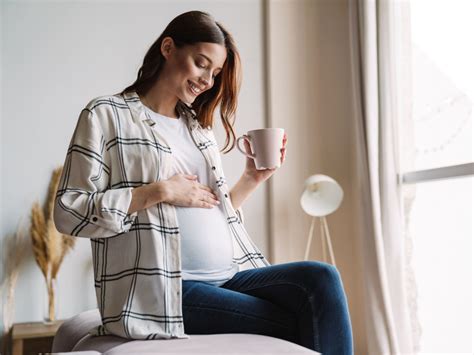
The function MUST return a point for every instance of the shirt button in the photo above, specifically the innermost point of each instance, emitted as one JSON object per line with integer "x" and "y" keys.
{"x": 94, "y": 219}
{"x": 226, "y": 195}
{"x": 213, "y": 168}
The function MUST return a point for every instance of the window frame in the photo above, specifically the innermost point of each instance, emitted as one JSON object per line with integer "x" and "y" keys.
{"x": 445, "y": 172}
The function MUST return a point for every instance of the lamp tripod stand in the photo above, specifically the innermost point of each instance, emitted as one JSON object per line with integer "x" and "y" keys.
{"x": 325, "y": 240}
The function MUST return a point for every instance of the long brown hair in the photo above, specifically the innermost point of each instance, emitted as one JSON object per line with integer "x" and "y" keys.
{"x": 187, "y": 29}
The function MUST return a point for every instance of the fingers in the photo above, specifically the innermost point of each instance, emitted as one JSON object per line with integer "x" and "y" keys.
{"x": 247, "y": 147}
{"x": 213, "y": 198}
{"x": 205, "y": 187}
{"x": 190, "y": 177}
{"x": 209, "y": 190}
{"x": 205, "y": 204}
{"x": 283, "y": 149}
{"x": 209, "y": 195}
{"x": 247, "y": 144}
{"x": 209, "y": 202}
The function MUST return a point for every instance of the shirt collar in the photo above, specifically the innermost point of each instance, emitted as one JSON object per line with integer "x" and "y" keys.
{"x": 137, "y": 110}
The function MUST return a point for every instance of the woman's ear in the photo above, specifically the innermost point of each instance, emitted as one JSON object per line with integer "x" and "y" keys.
{"x": 167, "y": 46}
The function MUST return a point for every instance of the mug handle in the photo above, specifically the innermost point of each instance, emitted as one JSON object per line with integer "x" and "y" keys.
{"x": 247, "y": 138}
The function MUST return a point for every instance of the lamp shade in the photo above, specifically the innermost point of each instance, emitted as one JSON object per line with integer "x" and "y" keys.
{"x": 322, "y": 195}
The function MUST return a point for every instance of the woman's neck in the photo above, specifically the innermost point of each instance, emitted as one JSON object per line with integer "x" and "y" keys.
{"x": 160, "y": 100}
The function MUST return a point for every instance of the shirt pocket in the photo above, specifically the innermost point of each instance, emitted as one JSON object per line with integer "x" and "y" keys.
{"x": 135, "y": 159}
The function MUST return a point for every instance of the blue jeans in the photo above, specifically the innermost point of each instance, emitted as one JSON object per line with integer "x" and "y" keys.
{"x": 302, "y": 302}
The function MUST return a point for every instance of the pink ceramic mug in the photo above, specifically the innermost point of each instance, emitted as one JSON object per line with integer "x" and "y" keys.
{"x": 265, "y": 144}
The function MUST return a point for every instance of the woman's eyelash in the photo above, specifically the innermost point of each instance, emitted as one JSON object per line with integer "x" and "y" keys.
{"x": 203, "y": 66}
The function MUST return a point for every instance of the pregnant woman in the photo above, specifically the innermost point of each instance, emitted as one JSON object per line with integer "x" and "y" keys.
{"x": 143, "y": 180}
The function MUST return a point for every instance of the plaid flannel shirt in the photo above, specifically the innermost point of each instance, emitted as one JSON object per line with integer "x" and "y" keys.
{"x": 136, "y": 257}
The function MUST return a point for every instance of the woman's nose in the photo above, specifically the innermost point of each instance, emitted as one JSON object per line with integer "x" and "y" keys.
{"x": 204, "y": 81}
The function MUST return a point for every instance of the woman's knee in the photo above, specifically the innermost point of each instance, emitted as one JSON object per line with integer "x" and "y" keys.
{"x": 317, "y": 275}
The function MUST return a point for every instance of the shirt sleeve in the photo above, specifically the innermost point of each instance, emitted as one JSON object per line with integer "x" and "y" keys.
{"x": 85, "y": 205}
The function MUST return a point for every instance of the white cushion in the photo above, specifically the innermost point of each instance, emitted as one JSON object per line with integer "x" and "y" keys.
{"x": 73, "y": 336}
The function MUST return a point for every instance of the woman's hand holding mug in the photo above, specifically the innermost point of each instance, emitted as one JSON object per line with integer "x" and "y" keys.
{"x": 265, "y": 150}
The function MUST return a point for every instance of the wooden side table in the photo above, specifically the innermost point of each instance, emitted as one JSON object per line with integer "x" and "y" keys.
{"x": 33, "y": 338}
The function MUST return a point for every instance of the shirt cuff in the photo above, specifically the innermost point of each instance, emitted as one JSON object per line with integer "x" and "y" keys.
{"x": 110, "y": 210}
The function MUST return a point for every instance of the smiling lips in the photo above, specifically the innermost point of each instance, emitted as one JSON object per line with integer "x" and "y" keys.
{"x": 194, "y": 88}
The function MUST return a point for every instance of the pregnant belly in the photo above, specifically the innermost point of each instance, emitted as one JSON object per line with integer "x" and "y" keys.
{"x": 206, "y": 242}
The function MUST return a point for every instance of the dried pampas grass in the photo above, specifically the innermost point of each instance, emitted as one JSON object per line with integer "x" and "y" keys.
{"x": 39, "y": 238}
{"x": 13, "y": 251}
{"x": 49, "y": 246}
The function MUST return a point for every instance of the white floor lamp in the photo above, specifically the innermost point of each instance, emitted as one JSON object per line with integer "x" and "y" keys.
{"x": 321, "y": 197}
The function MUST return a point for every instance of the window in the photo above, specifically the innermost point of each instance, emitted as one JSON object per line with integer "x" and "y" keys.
{"x": 438, "y": 170}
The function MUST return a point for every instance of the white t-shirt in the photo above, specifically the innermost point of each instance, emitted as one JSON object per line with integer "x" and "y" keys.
{"x": 206, "y": 251}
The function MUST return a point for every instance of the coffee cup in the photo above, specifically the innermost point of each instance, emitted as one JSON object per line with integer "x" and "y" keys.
{"x": 265, "y": 144}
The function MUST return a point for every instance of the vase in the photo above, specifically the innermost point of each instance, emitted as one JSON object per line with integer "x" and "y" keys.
{"x": 50, "y": 303}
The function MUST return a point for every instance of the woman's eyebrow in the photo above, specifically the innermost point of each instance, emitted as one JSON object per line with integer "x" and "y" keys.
{"x": 209, "y": 59}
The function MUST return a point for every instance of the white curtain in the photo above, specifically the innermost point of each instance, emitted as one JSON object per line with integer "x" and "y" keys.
{"x": 380, "y": 41}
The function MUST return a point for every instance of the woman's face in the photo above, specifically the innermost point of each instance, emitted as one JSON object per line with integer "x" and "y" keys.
{"x": 190, "y": 70}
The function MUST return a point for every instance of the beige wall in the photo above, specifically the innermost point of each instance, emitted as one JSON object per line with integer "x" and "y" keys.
{"x": 309, "y": 95}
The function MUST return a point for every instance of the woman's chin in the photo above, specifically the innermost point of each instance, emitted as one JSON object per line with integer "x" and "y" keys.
{"x": 188, "y": 99}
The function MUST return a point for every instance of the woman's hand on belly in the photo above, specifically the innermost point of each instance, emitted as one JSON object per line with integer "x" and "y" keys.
{"x": 184, "y": 190}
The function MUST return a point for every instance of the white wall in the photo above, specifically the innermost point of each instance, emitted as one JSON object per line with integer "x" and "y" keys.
{"x": 56, "y": 56}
